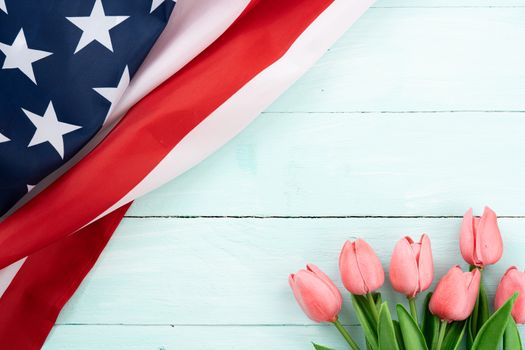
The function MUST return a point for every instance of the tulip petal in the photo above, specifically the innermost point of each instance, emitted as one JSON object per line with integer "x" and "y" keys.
{"x": 517, "y": 277}
{"x": 320, "y": 274}
{"x": 466, "y": 238}
{"x": 369, "y": 266}
{"x": 416, "y": 247}
{"x": 403, "y": 270}
{"x": 450, "y": 296}
{"x": 489, "y": 241}
{"x": 349, "y": 269}
{"x": 315, "y": 297}
{"x": 512, "y": 281}
{"x": 472, "y": 281}
{"x": 505, "y": 288}
{"x": 425, "y": 264}
{"x": 291, "y": 281}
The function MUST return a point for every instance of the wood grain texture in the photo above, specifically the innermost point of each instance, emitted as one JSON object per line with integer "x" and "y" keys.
{"x": 448, "y": 3}
{"x": 234, "y": 271}
{"x": 192, "y": 338}
{"x": 419, "y": 59}
{"x": 356, "y": 164}
{"x": 450, "y": 77}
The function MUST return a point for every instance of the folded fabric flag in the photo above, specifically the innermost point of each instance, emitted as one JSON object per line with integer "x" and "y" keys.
{"x": 66, "y": 112}
{"x": 64, "y": 66}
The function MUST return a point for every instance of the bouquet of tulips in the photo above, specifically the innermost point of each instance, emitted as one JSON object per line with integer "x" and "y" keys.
{"x": 455, "y": 316}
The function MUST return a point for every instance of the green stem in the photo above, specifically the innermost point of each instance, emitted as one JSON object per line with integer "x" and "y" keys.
{"x": 413, "y": 308}
{"x": 442, "y": 331}
{"x": 475, "y": 313}
{"x": 346, "y": 335}
{"x": 373, "y": 306}
{"x": 474, "y": 318}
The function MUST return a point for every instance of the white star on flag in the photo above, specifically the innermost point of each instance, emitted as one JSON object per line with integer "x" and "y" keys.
{"x": 3, "y": 7}
{"x": 30, "y": 187}
{"x": 113, "y": 94}
{"x": 155, "y": 4}
{"x": 96, "y": 26}
{"x": 18, "y": 55}
{"x": 3, "y": 138}
{"x": 49, "y": 129}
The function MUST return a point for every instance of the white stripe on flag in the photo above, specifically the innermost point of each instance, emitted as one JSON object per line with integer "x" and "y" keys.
{"x": 194, "y": 25}
{"x": 238, "y": 111}
{"x": 8, "y": 273}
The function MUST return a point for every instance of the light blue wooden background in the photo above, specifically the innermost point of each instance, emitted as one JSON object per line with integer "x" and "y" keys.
{"x": 412, "y": 117}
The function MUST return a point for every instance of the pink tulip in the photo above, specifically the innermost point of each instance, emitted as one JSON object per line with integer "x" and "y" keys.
{"x": 411, "y": 266}
{"x": 480, "y": 239}
{"x": 360, "y": 268}
{"x": 455, "y": 294}
{"x": 316, "y": 294}
{"x": 512, "y": 281}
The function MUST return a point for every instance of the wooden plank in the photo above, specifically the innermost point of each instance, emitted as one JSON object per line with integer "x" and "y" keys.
{"x": 356, "y": 164}
{"x": 201, "y": 338}
{"x": 234, "y": 271}
{"x": 419, "y": 59}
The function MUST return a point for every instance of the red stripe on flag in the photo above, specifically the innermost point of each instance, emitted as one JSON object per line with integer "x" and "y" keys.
{"x": 46, "y": 281}
{"x": 156, "y": 124}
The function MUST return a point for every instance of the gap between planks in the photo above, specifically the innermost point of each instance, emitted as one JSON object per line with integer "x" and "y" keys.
{"x": 399, "y": 112}
{"x": 173, "y": 325}
{"x": 449, "y": 7}
{"x": 309, "y": 217}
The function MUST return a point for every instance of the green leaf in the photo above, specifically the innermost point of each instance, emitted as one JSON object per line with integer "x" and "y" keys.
{"x": 491, "y": 333}
{"x": 399, "y": 336}
{"x": 511, "y": 338}
{"x": 454, "y": 335}
{"x": 378, "y": 299}
{"x": 320, "y": 347}
{"x": 369, "y": 327}
{"x": 386, "y": 331}
{"x": 470, "y": 336}
{"x": 412, "y": 336}
{"x": 430, "y": 325}
{"x": 364, "y": 305}
{"x": 473, "y": 322}
{"x": 483, "y": 312}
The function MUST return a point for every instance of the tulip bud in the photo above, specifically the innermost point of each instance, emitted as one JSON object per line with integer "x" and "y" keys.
{"x": 317, "y": 295}
{"x": 411, "y": 267}
{"x": 480, "y": 240}
{"x": 512, "y": 281}
{"x": 360, "y": 268}
{"x": 455, "y": 294}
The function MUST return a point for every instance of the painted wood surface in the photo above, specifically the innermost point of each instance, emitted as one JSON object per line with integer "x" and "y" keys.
{"x": 419, "y": 59}
{"x": 234, "y": 271}
{"x": 448, "y": 3}
{"x": 412, "y": 117}
{"x": 356, "y": 164}
{"x": 112, "y": 337}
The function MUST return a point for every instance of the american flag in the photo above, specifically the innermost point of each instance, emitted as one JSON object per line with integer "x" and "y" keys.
{"x": 65, "y": 64}
{"x": 102, "y": 101}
